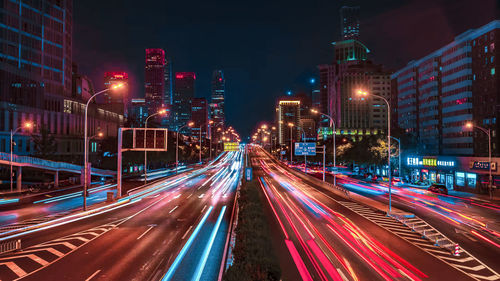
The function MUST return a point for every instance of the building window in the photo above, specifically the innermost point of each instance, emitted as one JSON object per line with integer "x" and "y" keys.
{"x": 485, "y": 49}
{"x": 493, "y": 71}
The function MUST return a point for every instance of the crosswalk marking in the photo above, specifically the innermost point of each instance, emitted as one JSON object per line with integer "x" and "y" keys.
{"x": 57, "y": 247}
{"x": 465, "y": 263}
{"x": 14, "y": 268}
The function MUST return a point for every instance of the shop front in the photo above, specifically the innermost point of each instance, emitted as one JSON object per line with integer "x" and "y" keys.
{"x": 461, "y": 173}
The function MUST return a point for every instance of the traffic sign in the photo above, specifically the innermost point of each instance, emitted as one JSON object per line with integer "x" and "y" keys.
{"x": 248, "y": 173}
{"x": 231, "y": 146}
{"x": 305, "y": 149}
{"x": 140, "y": 139}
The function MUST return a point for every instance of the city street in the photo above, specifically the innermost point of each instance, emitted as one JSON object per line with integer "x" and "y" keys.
{"x": 176, "y": 232}
{"x": 319, "y": 216}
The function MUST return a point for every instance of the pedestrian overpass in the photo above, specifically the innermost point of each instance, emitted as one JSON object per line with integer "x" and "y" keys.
{"x": 54, "y": 167}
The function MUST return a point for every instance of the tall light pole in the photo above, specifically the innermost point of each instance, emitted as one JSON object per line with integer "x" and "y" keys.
{"x": 85, "y": 141}
{"x": 365, "y": 93}
{"x": 26, "y": 125}
{"x": 334, "y": 131}
{"x": 209, "y": 122}
{"x": 160, "y": 112}
{"x": 291, "y": 141}
{"x": 470, "y": 125}
{"x": 305, "y": 156}
{"x": 177, "y": 145}
{"x": 399, "y": 154}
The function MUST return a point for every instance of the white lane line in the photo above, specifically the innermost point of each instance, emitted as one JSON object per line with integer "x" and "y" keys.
{"x": 185, "y": 234}
{"x": 93, "y": 275}
{"x": 204, "y": 208}
{"x": 173, "y": 209}
{"x": 189, "y": 195}
{"x": 147, "y": 230}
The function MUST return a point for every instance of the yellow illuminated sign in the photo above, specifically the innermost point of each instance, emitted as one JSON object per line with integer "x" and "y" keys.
{"x": 432, "y": 162}
{"x": 231, "y": 146}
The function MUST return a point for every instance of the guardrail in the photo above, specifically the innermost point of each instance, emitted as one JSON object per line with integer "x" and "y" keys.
{"x": 49, "y": 164}
{"x": 427, "y": 231}
{"x": 10, "y": 246}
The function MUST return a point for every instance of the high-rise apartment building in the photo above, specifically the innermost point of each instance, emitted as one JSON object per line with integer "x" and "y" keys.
{"x": 455, "y": 84}
{"x": 155, "y": 79}
{"x": 199, "y": 116}
{"x": 183, "y": 93}
{"x": 350, "y": 72}
{"x": 349, "y": 22}
{"x": 288, "y": 112}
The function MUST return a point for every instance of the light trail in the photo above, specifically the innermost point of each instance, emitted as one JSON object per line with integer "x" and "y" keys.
{"x": 186, "y": 246}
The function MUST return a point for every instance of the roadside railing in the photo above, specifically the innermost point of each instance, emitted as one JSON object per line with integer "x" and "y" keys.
{"x": 427, "y": 231}
{"x": 50, "y": 164}
{"x": 10, "y": 246}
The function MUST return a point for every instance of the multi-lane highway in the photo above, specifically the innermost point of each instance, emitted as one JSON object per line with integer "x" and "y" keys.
{"x": 175, "y": 229}
{"x": 332, "y": 238}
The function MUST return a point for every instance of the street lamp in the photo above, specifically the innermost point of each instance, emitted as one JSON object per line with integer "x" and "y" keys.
{"x": 160, "y": 112}
{"x": 365, "y": 93}
{"x": 190, "y": 124}
{"x": 291, "y": 141}
{"x": 209, "y": 123}
{"x": 334, "y": 131}
{"x": 470, "y": 125}
{"x": 85, "y": 141}
{"x": 26, "y": 125}
{"x": 399, "y": 154}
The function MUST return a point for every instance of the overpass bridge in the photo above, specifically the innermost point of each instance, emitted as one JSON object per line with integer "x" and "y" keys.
{"x": 53, "y": 167}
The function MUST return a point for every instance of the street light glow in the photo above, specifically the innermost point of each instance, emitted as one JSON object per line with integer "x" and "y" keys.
{"x": 469, "y": 125}
{"x": 116, "y": 86}
{"x": 28, "y": 125}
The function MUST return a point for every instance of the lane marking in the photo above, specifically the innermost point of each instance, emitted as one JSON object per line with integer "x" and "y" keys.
{"x": 93, "y": 275}
{"x": 144, "y": 233}
{"x": 185, "y": 234}
{"x": 173, "y": 209}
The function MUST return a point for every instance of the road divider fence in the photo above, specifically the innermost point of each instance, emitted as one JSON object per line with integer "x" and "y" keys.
{"x": 10, "y": 246}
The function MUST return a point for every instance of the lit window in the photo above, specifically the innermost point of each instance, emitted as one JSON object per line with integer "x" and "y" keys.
{"x": 493, "y": 71}
{"x": 485, "y": 49}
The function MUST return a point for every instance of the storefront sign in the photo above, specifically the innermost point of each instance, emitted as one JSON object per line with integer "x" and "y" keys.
{"x": 429, "y": 162}
{"x": 483, "y": 165}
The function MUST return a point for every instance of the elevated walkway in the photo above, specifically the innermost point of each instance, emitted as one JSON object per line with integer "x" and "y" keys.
{"x": 50, "y": 166}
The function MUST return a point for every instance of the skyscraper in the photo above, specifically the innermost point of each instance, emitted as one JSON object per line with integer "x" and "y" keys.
{"x": 218, "y": 95}
{"x": 199, "y": 115}
{"x": 155, "y": 79}
{"x": 352, "y": 71}
{"x": 183, "y": 93}
{"x": 168, "y": 81}
{"x": 288, "y": 111}
{"x": 349, "y": 22}
{"x": 40, "y": 83}
{"x": 111, "y": 100}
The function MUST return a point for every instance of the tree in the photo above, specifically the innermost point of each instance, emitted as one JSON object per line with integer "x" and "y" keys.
{"x": 45, "y": 144}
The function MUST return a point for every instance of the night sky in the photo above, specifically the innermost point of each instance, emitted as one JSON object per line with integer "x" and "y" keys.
{"x": 264, "y": 47}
